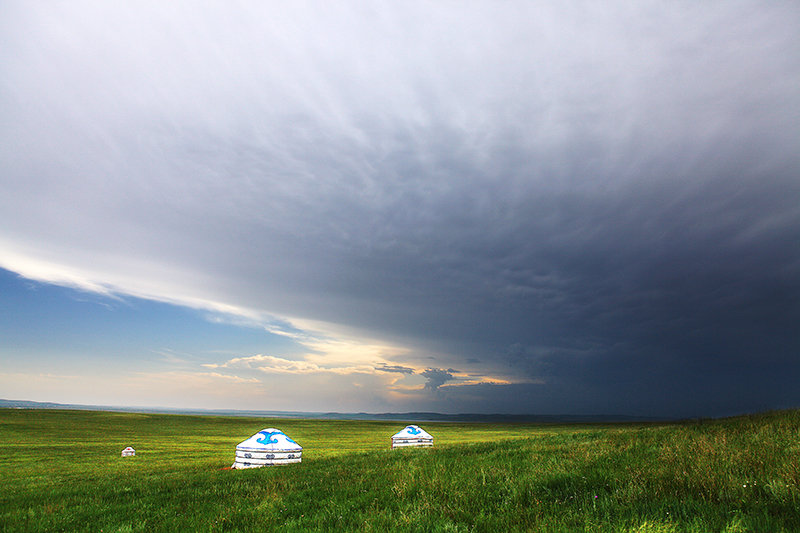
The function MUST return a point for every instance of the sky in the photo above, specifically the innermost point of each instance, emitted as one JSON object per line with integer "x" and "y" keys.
{"x": 460, "y": 207}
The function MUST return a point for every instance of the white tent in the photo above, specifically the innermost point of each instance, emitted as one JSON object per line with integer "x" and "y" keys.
{"x": 267, "y": 447}
{"x": 128, "y": 452}
{"x": 411, "y": 436}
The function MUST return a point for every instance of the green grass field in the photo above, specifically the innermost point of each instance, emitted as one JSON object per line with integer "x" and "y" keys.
{"x": 62, "y": 471}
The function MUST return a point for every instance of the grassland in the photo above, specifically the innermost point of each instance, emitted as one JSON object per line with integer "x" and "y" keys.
{"x": 61, "y": 471}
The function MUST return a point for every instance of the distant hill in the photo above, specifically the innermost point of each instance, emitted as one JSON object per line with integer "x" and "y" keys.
{"x": 411, "y": 416}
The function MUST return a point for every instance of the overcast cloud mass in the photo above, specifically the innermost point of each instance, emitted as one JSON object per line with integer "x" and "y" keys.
{"x": 526, "y": 207}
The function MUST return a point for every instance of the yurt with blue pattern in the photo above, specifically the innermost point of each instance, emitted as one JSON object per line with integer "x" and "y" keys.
{"x": 411, "y": 436}
{"x": 266, "y": 448}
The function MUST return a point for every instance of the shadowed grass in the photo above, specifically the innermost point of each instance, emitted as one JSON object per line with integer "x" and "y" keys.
{"x": 61, "y": 471}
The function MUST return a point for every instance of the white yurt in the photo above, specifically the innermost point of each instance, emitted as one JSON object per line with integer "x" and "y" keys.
{"x": 267, "y": 447}
{"x": 128, "y": 452}
{"x": 412, "y": 436}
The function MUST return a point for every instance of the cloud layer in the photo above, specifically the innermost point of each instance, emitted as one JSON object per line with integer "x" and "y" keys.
{"x": 599, "y": 203}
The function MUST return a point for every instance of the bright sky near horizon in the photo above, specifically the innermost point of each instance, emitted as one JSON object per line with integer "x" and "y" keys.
{"x": 515, "y": 207}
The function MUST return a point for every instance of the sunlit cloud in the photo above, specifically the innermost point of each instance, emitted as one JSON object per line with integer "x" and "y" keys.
{"x": 275, "y": 365}
{"x": 117, "y": 284}
{"x": 48, "y": 272}
{"x": 235, "y": 379}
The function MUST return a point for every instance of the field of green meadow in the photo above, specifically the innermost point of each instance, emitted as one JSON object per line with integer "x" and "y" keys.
{"x": 62, "y": 471}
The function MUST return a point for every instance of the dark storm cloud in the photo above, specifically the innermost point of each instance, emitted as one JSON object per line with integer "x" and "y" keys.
{"x": 395, "y": 368}
{"x": 603, "y": 199}
{"x": 436, "y": 377}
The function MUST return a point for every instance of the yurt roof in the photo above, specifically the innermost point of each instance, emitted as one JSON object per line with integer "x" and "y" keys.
{"x": 269, "y": 439}
{"x": 412, "y": 432}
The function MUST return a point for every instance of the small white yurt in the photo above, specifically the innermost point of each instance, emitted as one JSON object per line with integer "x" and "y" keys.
{"x": 267, "y": 447}
{"x": 411, "y": 436}
{"x": 128, "y": 452}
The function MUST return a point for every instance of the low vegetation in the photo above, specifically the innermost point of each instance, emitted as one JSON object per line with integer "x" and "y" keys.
{"x": 62, "y": 471}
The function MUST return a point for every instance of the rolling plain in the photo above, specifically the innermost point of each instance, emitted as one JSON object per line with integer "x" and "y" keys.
{"x": 61, "y": 470}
